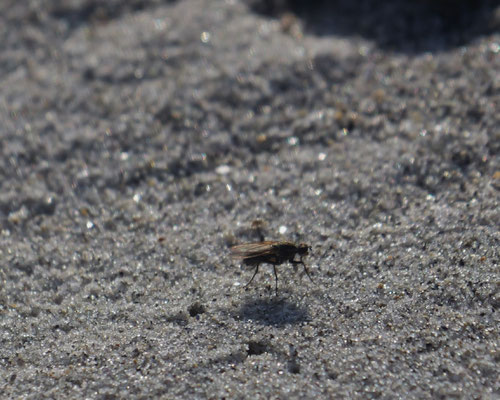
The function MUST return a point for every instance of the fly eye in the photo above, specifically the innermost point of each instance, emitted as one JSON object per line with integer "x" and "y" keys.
{"x": 304, "y": 248}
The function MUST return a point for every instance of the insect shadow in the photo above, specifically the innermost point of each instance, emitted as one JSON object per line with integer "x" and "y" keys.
{"x": 273, "y": 312}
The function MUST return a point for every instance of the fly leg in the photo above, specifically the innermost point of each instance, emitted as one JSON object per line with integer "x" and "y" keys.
{"x": 276, "y": 278}
{"x": 255, "y": 273}
{"x": 305, "y": 268}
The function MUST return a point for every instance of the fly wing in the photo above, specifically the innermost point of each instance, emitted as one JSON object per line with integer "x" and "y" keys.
{"x": 249, "y": 250}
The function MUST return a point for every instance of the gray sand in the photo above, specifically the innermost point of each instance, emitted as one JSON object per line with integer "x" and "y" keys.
{"x": 139, "y": 140}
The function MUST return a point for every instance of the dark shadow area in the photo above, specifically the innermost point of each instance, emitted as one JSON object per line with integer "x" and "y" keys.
{"x": 401, "y": 25}
{"x": 275, "y": 312}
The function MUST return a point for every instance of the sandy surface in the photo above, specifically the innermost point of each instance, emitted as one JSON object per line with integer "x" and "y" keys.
{"x": 139, "y": 140}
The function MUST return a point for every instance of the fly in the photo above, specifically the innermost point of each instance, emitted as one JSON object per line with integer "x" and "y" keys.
{"x": 270, "y": 252}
